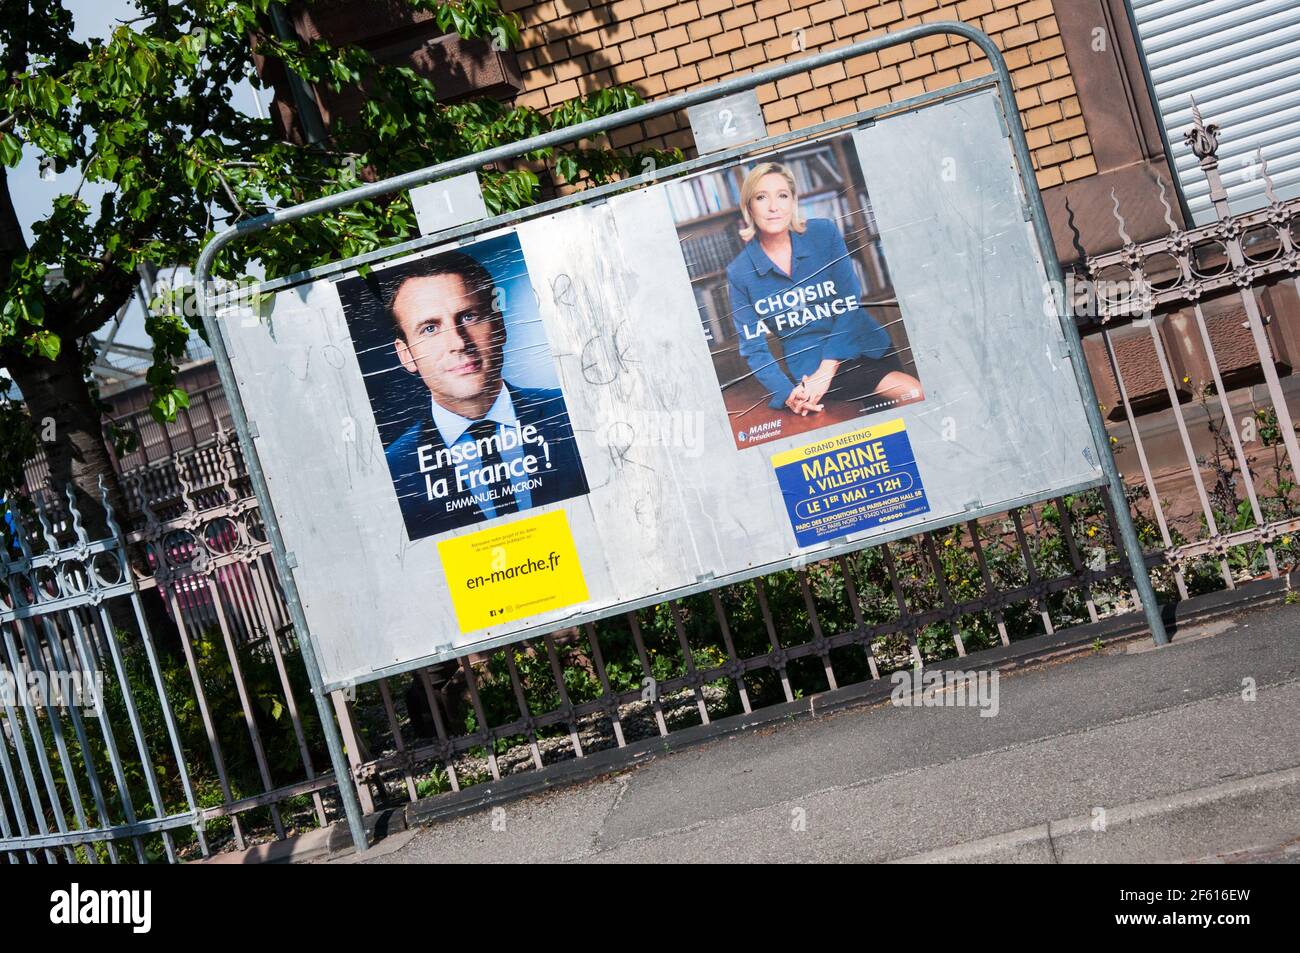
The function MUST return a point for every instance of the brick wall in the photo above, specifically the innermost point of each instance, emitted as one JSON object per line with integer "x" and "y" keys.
{"x": 660, "y": 47}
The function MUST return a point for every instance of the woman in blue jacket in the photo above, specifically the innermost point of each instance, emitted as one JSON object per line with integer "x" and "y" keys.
{"x": 794, "y": 279}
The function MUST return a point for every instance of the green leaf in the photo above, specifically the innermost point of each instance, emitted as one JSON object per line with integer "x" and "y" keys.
{"x": 167, "y": 405}
{"x": 567, "y": 167}
{"x": 11, "y": 149}
{"x": 45, "y": 343}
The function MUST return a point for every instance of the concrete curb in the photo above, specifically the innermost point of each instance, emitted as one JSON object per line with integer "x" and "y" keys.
{"x": 325, "y": 844}
{"x": 1074, "y": 839}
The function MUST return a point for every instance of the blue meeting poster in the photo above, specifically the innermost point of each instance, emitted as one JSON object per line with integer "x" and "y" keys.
{"x": 850, "y": 482}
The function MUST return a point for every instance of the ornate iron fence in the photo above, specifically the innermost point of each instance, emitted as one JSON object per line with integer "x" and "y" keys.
{"x": 199, "y": 739}
{"x": 1242, "y": 523}
{"x": 182, "y": 622}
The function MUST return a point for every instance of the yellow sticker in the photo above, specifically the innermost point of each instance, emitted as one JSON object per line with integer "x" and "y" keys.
{"x": 510, "y": 572}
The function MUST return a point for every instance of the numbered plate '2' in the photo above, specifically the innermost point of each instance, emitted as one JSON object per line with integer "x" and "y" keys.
{"x": 448, "y": 202}
{"x": 727, "y": 122}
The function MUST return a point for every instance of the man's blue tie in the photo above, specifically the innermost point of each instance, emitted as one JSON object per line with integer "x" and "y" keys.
{"x": 482, "y": 430}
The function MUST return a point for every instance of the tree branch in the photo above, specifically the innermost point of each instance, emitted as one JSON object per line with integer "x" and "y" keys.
{"x": 115, "y": 287}
{"x": 230, "y": 193}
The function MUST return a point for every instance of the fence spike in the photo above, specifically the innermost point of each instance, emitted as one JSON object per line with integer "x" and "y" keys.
{"x": 75, "y": 514}
{"x": 1119, "y": 219}
{"x": 181, "y": 478}
{"x": 20, "y": 530}
{"x": 109, "y": 516}
{"x": 1203, "y": 137}
{"x": 47, "y": 529}
{"x": 152, "y": 524}
{"x": 1169, "y": 212}
{"x": 226, "y": 464}
{"x": 1268, "y": 179}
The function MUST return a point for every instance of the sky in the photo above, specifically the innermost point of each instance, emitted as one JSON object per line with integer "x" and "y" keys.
{"x": 33, "y": 196}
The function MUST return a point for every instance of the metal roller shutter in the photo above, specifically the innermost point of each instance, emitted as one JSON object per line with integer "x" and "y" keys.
{"x": 1240, "y": 59}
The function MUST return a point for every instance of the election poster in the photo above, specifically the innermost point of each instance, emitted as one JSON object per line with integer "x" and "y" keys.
{"x": 850, "y": 483}
{"x": 793, "y": 292}
{"x": 463, "y": 386}
{"x": 513, "y": 571}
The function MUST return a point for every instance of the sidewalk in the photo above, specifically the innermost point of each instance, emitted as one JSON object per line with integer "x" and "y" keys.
{"x": 1161, "y": 740}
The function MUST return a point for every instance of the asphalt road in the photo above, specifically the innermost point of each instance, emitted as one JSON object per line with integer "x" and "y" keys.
{"x": 1133, "y": 754}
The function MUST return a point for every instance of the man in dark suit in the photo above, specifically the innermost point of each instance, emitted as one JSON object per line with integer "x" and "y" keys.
{"x": 486, "y": 448}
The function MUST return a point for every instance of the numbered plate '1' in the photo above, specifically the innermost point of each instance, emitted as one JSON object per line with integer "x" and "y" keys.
{"x": 730, "y": 121}
{"x": 448, "y": 202}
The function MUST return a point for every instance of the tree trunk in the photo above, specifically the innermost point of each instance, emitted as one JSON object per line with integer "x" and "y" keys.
{"x": 70, "y": 429}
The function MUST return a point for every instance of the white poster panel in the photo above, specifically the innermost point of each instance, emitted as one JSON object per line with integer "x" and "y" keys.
{"x": 774, "y": 360}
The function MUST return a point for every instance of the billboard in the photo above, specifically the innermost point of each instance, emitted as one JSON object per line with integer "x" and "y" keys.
{"x": 776, "y": 359}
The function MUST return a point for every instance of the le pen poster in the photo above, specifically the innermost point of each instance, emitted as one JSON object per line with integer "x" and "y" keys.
{"x": 794, "y": 294}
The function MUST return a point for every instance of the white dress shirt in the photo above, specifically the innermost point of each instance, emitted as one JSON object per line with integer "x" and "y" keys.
{"x": 454, "y": 429}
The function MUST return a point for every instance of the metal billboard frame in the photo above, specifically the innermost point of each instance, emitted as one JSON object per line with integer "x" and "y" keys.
{"x": 1000, "y": 82}
{"x": 471, "y": 231}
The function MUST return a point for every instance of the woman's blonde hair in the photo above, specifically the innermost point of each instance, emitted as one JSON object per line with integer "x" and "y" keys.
{"x": 750, "y": 186}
